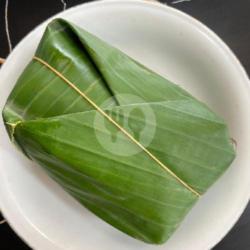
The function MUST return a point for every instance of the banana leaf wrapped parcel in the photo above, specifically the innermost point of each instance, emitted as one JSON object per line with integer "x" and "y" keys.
{"x": 132, "y": 147}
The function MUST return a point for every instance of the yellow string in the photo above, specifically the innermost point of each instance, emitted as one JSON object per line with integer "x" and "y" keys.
{"x": 115, "y": 123}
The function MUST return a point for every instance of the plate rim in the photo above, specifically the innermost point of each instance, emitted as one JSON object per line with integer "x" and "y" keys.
{"x": 34, "y": 238}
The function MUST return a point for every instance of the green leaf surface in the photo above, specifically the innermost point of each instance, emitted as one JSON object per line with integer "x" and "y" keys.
{"x": 86, "y": 154}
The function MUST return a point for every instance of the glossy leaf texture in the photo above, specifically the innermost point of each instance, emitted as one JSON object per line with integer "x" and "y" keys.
{"x": 56, "y": 127}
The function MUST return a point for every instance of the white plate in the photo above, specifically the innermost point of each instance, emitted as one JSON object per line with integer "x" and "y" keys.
{"x": 183, "y": 50}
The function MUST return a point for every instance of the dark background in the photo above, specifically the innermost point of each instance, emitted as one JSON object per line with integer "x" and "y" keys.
{"x": 230, "y": 19}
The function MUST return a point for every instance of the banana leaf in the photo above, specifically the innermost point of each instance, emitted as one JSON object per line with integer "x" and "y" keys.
{"x": 140, "y": 165}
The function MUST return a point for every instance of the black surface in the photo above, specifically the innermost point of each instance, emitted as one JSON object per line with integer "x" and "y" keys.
{"x": 228, "y": 18}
